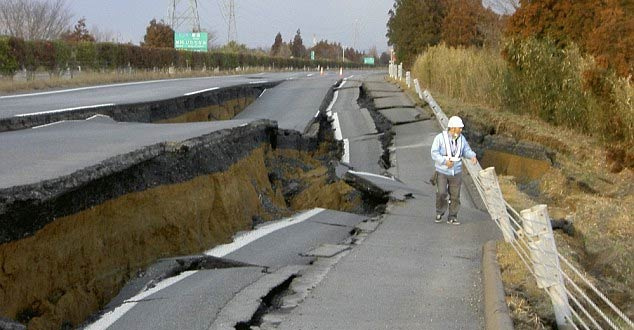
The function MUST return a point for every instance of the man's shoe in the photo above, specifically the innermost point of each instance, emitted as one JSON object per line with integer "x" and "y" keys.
{"x": 438, "y": 218}
{"x": 453, "y": 222}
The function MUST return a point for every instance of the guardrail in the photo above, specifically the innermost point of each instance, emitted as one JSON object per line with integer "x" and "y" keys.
{"x": 577, "y": 302}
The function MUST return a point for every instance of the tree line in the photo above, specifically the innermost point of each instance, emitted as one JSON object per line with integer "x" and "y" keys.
{"x": 568, "y": 62}
{"x": 603, "y": 29}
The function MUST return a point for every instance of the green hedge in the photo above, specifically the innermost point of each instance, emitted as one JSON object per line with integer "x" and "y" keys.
{"x": 16, "y": 54}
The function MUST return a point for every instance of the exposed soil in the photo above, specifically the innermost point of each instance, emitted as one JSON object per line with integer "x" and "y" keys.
{"x": 76, "y": 264}
{"x": 224, "y": 111}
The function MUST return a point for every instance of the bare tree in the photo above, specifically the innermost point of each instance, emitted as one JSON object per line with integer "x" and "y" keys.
{"x": 34, "y": 19}
{"x": 502, "y": 7}
{"x": 103, "y": 35}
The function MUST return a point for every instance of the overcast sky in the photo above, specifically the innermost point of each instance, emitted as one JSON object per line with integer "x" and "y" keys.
{"x": 257, "y": 21}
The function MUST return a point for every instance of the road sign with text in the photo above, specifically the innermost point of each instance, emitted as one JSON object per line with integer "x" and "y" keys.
{"x": 196, "y": 41}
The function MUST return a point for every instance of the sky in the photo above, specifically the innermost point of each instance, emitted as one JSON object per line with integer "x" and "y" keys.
{"x": 257, "y": 21}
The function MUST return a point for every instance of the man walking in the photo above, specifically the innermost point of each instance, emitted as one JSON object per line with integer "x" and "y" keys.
{"x": 447, "y": 151}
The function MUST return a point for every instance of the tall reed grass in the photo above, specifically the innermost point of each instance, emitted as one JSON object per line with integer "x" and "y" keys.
{"x": 473, "y": 75}
{"x": 537, "y": 78}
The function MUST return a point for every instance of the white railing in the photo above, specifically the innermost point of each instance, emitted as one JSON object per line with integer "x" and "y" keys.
{"x": 577, "y": 302}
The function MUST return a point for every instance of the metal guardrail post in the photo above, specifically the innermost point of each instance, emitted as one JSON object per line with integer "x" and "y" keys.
{"x": 495, "y": 202}
{"x": 442, "y": 118}
{"x": 418, "y": 90}
{"x": 545, "y": 260}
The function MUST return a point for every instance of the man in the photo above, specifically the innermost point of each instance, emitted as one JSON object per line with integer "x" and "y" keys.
{"x": 447, "y": 151}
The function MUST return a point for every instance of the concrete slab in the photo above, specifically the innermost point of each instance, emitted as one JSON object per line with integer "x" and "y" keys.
{"x": 327, "y": 250}
{"x": 380, "y": 183}
{"x": 380, "y": 94}
{"x": 368, "y": 226}
{"x": 243, "y": 305}
{"x": 62, "y": 148}
{"x": 351, "y": 84}
{"x": 400, "y": 101}
{"x": 398, "y": 116}
{"x": 381, "y": 87}
{"x": 356, "y": 123}
{"x": 193, "y": 303}
{"x": 365, "y": 154}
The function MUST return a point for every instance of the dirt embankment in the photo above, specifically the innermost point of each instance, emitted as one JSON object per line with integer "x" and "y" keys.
{"x": 98, "y": 233}
{"x": 586, "y": 188}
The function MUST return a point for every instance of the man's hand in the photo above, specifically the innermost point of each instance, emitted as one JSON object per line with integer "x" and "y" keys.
{"x": 449, "y": 163}
{"x": 474, "y": 160}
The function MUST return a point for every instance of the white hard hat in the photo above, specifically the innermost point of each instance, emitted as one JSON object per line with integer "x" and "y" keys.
{"x": 455, "y": 121}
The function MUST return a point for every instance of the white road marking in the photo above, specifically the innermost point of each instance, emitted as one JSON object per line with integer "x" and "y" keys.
{"x": 310, "y": 75}
{"x": 64, "y": 110}
{"x": 412, "y": 146}
{"x": 50, "y": 124}
{"x": 202, "y": 91}
{"x": 219, "y": 251}
{"x": 332, "y": 103}
{"x": 243, "y": 240}
{"x": 346, "y": 151}
{"x": 114, "y": 85}
{"x": 372, "y": 174}
{"x": 111, "y": 317}
{"x": 258, "y": 82}
{"x": 336, "y": 127}
{"x": 262, "y": 93}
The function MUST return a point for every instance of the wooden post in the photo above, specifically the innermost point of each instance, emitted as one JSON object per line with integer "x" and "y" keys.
{"x": 495, "y": 202}
{"x": 545, "y": 260}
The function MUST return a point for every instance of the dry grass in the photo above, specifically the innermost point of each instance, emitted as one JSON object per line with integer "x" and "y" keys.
{"x": 466, "y": 74}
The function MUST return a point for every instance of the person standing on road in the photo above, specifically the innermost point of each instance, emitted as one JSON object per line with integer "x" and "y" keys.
{"x": 447, "y": 151}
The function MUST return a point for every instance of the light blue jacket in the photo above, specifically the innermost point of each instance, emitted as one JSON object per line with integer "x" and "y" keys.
{"x": 439, "y": 155}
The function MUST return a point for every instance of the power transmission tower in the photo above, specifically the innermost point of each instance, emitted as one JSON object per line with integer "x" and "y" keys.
{"x": 228, "y": 11}
{"x": 183, "y": 16}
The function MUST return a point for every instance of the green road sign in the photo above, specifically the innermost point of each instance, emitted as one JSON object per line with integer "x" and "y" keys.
{"x": 368, "y": 60}
{"x": 196, "y": 41}
{"x": 312, "y": 55}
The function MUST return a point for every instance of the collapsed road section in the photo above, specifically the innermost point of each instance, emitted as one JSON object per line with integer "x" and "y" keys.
{"x": 113, "y": 197}
{"x": 218, "y": 103}
{"x": 71, "y": 240}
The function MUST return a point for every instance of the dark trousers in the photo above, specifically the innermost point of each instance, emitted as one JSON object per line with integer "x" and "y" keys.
{"x": 448, "y": 184}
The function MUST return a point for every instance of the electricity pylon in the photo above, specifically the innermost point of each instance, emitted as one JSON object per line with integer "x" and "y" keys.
{"x": 228, "y": 11}
{"x": 181, "y": 16}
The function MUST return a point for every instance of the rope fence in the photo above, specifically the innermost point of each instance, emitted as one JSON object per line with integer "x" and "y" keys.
{"x": 577, "y": 302}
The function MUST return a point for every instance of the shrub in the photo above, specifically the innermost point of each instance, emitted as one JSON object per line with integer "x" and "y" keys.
{"x": 546, "y": 81}
{"x": 86, "y": 55}
{"x": 8, "y": 62}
